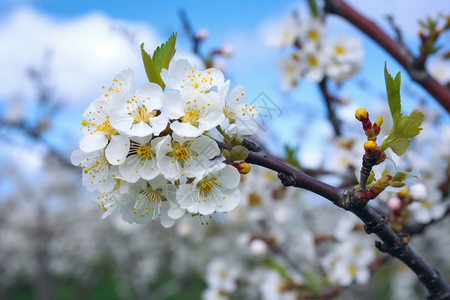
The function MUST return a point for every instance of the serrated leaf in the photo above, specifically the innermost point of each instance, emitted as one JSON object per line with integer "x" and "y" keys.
{"x": 150, "y": 68}
{"x": 164, "y": 53}
{"x": 160, "y": 60}
{"x": 399, "y": 146}
{"x": 393, "y": 95}
{"x": 409, "y": 126}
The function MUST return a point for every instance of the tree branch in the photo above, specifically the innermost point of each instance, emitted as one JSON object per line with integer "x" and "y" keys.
{"x": 395, "y": 245}
{"x": 412, "y": 65}
{"x": 329, "y": 99}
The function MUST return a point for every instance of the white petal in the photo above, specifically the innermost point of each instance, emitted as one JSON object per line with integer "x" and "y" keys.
{"x": 152, "y": 94}
{"x": 211, "y": 120}
{"x": 206, "y": 207}
{"x": 169, "y": 167}
{"x": 159, "y": 123}
{"x": 231, "y": 200}
{"x": 165, "y": 219}
{"x": 150, "y": 169}
{"x": 117, "y": 149}
{"x": 228, "y": 177}
{"x": 185, "y": 196}
{"x": 185, "y": 129}
{"x": 92, "y": 142}
{"x": 121, "y": 121}
{"x": 140, "y": 129}
{"x": 173, "y": 105}
{"x": 129, "y": 168}
{"x": 78, "y": 157}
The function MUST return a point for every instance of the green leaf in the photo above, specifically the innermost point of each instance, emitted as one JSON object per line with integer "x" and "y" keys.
{"x": 290, "y": 155}
{"x": 164, "y": 53}
{"x": 396, "y": 184}
{"x": 400, "y": 176}
{"x": 399, "y": 145}
{"x": 409, "y": 125}
{"x": 313, "y": 8}
{"x": 150, "y": 69}
{"x": 272, "y": 264}
{"x": 312, "y": 283}
{"x": 238, "y": 153}
{"x": 393, "y": 95}
{"x": 160, "y": 60}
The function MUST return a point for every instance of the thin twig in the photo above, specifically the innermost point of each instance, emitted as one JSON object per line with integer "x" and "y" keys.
{"x": 392, "y": 243}
{"x": 411, "y": 64}
{"x": 329, "y": 100}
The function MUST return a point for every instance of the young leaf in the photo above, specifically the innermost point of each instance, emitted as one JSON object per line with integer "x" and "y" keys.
{"x": 164, "y": 53}
{"x": 393, "y": 95}
{"x": 150, "y": 69}
{"x": 409, "y": 125}
{"x": 399, "y": 146}
{"x": 160, "y": 60}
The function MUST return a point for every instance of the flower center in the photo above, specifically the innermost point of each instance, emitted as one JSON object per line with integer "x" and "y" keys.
{"x": 106, "y": 128}
{"x": 339, "y": 50}
{"x": 313, "y": 35}
{"x": 144, "y": 151}
{"x": 191, "y": 116}
{"x": 426, "y": 203}
{"x": 181, "y": 152}
{"x": 229, "y": 112}
{"x": 313, "y": 61}
{"x": 352, "y": 269}
{"x": 254, "y": 199}
{"x": 148, "y": 200}
{"x": 142, "y": 114}
{"x": 207, "y": 184}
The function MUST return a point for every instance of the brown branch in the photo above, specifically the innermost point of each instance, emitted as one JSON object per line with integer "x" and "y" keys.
{"x": 412, "y": 65}
{"x": 329, "y": 99}
{"x": 393, "y": 244}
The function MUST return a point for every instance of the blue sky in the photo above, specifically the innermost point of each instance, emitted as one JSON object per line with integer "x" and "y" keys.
{"x": 239, "y": 23}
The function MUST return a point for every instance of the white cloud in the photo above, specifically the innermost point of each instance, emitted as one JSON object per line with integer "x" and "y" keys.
{"x": 86, "y": 53}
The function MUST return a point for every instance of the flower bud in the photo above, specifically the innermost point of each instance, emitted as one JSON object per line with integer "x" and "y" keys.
{"x": 202, "y": 34}
{"x": 361, "y": 114}
{"x": 394, "y": 204}
{"x": 403, "y": 193}
{"x": 243, "y": 167}
{"x": 379, "y": 121}
{"x": 370, "y": 146}
{"x": 226, "y": 51}
{"x": 258, "y": 247}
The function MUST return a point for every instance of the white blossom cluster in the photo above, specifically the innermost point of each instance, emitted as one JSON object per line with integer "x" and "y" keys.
{"x": 150, "y": 151}
{"x": 313, "y": 55}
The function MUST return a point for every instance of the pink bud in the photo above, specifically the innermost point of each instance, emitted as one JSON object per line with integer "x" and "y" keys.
{"x": 395, "y": 204}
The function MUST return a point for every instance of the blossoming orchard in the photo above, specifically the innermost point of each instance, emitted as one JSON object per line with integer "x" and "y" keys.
{"x": 210, "y": 190}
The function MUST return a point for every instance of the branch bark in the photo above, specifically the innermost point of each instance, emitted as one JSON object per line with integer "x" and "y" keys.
{"x": 412, "y": 65}
{"x": 393, "y": 244}
{"x": 329, "y": 100}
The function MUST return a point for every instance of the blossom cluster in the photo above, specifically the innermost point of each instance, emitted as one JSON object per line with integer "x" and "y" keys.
{"x": 314, "y": 56}
{"x": 151, "y": 152}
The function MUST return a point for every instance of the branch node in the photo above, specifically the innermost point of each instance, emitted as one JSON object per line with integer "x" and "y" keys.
{"x": 251, "y": 146}
{"x": 286, "y": 179}
{"x": 397, "y": 249}
{"x": 348, "y": 200}
{"x": 374, "y": 227}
